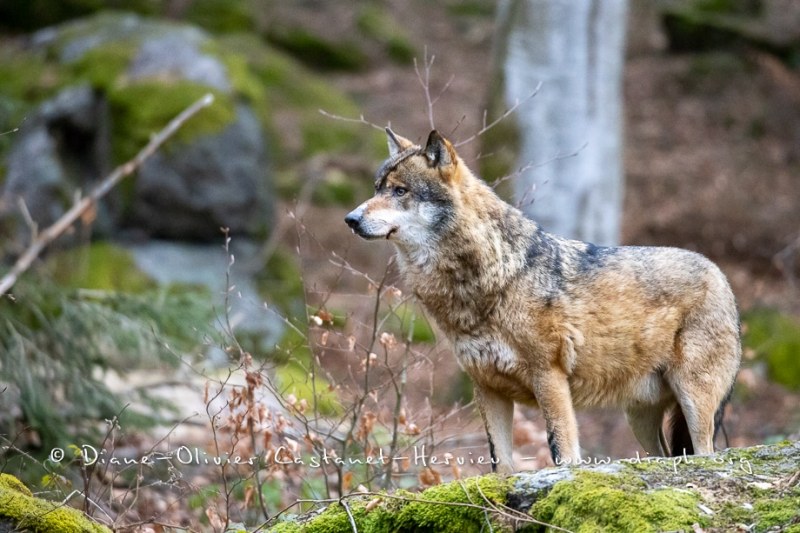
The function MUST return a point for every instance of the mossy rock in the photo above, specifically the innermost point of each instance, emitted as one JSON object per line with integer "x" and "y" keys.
{"x": 142, "y": 109}
{"x": 594, "y": 501}
{"x": 28, "y": 513}
{"x": 285, "y": 96}
{"x": 718, "y": 492}
{"x": 775, "y": 339}
{"x": 295, "y": 95}
{"x": 450, "y": 508}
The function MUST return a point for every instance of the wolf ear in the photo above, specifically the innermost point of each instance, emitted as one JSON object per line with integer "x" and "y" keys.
{"x": 439, "y": 151}
{"x": 396, "y": 143}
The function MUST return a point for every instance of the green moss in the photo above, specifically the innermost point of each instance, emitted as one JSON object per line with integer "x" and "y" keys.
{"x": 425, "y": 516}
{"x": 297, "y": 95}
{"x": 30, "y": 513}
{"x": 279, "y": 282}
{"x": 99, "y": 266}
{"x": 222, "y": 16}
{"x": 744, "y": 7}
{"x": 142, "y": 109}
{"x": 777, "y": 512}
{"x": 103, "y": 66}
{"x": 335, "y": 189}
{"x": 472, "y": 8}
{"x": 318, "y": 52}
{"x": 317, "y": 138}
{"x": 401, "y": 320}
{"x": 434, "y": 510}
{"x": 26, "y": 78}
{"x": 376, "y": 24}
{"x": 775, "y": 338}
{"x": 294, "y": 378}
{"x": 594, "y": 501}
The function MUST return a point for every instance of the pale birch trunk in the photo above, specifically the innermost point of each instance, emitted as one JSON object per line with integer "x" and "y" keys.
{"x": 575, "y": 48}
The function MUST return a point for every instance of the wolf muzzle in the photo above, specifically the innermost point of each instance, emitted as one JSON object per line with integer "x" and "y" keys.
{"x": 354, "y": 220}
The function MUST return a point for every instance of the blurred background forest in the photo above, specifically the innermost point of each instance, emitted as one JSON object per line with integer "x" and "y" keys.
{"x": 146, "y": 328}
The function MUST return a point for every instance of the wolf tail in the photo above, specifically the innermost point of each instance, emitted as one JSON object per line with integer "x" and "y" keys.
{"x": 680, "y": 440}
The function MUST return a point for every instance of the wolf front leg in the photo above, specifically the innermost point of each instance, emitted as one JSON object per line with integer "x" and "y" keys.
{"x": 555, "y": 400}
{"x": 497, "y": 412}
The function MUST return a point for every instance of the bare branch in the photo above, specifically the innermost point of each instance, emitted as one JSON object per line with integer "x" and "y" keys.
{"x": 425, "y": 81}
{"x": 359, "y": 120}
{"x": 109, "y": 182}
{"x": 531, "y": 166}
{"x": 486, "y": 127}
{"x": 15, "y": 130}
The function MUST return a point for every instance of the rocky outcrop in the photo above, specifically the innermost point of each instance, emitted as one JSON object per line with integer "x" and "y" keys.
{"x": 748, "y": 489}
{"x": 131, "y": 76}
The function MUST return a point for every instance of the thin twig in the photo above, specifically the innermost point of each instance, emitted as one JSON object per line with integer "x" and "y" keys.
{"x": 425, "y": 81}
{"x": 359, "y": 120}
{"x": 531, "y": 166}
{"x": 486, "y": 127}
{"x": 109, "y": 182}
{"x": 350, "y": 517}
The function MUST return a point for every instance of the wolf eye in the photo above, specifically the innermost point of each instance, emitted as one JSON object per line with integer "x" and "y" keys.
{"x": 400, "y": 191}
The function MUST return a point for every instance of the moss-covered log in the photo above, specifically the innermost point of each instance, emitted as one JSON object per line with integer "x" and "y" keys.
{"x": 748, "y": 489}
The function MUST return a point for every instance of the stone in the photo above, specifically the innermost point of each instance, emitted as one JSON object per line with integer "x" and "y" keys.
{"x": 139, "y": 74}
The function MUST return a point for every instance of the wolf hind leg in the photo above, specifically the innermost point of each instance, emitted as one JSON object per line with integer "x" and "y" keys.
{"x": 702, "y": 382}
{"x": 646, "y": 422}
{"x": 497, "y": 411}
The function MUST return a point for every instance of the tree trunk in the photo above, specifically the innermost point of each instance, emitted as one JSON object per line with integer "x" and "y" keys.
{"x": 576, "y": 51}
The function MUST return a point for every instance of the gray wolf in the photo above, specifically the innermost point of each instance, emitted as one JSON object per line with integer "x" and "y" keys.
{"x": 555, "y": 323}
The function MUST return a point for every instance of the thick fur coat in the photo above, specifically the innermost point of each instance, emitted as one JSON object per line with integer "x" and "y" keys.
{"x": 555, "y": 323}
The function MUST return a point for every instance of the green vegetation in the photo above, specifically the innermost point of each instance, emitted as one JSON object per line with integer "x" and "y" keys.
{"x": 57, "y": 343}
{"x": 220, "y": 16}
{"x": 472, "y": 8}
{"x": 317, "y": 52}
{"x": 35, "y": 514}
{"x": 593, "y": 501}
{"x": 280, "y": 282}
{"x": 289, "y": 87}
{"x": 376, "y": 24}
{"x": 103, "y": 66}
{"x": 401, "y": 320}
{"x": 100, "y": 266}
{"x": 141, "y": 109}
{"x": 775, "y": 338}
{"x": 454, "y": 507}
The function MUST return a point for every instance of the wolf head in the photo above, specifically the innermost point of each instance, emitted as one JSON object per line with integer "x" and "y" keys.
{"x": 414, "y": 193}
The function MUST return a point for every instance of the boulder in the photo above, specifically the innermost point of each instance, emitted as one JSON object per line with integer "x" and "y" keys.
{"x": 747, "y": 489}
{"x": 130, "y": 77}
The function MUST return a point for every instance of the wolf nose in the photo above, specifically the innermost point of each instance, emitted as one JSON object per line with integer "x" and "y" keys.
{"x": 352, "y": 219}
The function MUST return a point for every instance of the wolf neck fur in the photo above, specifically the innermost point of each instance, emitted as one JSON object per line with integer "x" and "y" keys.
{"x": 478, "y": 254}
